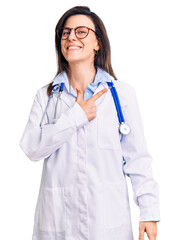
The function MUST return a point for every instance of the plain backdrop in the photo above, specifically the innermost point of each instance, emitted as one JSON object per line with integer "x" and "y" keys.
{"x": 145, "y": 44}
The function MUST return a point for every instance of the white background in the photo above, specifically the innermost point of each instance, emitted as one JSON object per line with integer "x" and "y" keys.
{"x": 145, "y": 43}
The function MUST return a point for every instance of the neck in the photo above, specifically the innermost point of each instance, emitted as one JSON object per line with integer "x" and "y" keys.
{"x": 80, "y": 75}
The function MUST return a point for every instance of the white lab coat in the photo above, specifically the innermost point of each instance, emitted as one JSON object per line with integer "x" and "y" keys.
{"x": 83, "y": 193}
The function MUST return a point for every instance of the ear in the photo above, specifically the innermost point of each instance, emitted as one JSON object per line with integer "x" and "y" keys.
{"x": 97, "y": 47}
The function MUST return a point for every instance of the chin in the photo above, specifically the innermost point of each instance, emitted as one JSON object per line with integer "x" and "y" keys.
{"x": 75, "y": 60}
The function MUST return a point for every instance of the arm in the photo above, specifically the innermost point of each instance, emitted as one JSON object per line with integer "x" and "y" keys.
{"x": 137, "y": 162}
{"x": 39, "y": 142}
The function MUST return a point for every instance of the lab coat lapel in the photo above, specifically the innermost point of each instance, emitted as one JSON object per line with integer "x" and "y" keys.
{"x": 68, "y": 99}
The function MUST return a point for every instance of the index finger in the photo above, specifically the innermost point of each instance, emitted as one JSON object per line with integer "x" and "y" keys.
{"x": 97, "y": 95}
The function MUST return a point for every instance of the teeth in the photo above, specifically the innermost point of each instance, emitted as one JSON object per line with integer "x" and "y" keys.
{"x": 73, "y": 47}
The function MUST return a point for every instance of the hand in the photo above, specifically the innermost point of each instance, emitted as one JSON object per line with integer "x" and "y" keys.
{"x": 88, "y": 105}
{"x": 150, "y": 228}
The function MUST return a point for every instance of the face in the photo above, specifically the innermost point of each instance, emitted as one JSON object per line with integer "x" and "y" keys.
{"x": 84, "y": 49}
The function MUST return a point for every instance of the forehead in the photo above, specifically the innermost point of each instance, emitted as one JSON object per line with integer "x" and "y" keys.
{"x": 79, "y": 20}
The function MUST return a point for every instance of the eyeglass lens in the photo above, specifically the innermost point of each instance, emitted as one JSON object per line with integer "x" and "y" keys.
{"x": 80, "y": 32}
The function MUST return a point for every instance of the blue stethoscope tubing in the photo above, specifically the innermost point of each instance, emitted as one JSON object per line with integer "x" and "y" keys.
{"x": 123, "y": 128}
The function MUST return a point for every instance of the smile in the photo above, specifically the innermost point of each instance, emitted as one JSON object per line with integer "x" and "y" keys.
{"x": 73, "y": 48}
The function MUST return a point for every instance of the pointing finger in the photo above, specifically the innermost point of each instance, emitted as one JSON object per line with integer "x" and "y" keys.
{"x": 99, "y": 94}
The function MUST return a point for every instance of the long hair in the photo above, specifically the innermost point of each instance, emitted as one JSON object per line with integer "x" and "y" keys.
{"x": 102, "y": 59}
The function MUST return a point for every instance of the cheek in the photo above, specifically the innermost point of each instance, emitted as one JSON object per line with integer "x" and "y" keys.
{"x": 62, "y": 49}
{"x": 89, "y": 46}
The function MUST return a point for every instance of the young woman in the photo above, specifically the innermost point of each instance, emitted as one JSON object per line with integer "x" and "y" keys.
{"x": 83, "y": 193}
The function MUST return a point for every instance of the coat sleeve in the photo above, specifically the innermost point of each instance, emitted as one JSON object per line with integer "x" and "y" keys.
{"x": 137, "y": 162}
{"x": 40, "y": 142}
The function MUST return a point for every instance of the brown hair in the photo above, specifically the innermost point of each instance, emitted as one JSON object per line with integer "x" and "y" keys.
{"x": 102, "y": 58}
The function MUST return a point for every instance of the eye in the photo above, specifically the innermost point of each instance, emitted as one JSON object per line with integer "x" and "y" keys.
{"x": 65, "y": 33}
{"x": 80, "y": 32}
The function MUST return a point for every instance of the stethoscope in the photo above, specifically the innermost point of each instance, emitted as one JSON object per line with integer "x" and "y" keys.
{"x": 55, "y": 88}
{"x": 123, "y": 127}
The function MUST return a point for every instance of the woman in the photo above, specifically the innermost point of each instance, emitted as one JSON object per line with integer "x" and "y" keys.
{"x": 83, "y": 193}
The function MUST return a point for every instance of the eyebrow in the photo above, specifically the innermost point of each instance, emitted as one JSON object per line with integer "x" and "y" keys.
{"x": 74, "y": 27}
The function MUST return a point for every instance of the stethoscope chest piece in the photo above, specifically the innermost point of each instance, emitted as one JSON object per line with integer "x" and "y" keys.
{"x": 124, "y": 128}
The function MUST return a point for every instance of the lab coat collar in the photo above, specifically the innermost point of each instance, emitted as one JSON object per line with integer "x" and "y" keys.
{"x": 101, "y": 76}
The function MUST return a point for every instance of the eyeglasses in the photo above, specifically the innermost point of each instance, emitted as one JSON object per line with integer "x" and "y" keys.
{"x": 80, "y": 32}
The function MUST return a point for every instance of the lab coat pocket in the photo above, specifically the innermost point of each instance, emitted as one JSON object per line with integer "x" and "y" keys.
{"x": 115, "y": 205}
{"x": 52, "y": 210}
{"x": 108, "y": 132}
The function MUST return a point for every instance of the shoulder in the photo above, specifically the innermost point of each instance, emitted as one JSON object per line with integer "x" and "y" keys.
{"x": 43, "y": 89}
{"x": 122, "y": 86}
{"x": 41, "y": 95}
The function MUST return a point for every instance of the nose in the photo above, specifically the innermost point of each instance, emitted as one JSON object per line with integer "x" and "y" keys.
{"x": 72, "y": 35}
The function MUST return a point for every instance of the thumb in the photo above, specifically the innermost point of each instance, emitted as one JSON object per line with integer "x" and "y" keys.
{"x": 80, "y": 95}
